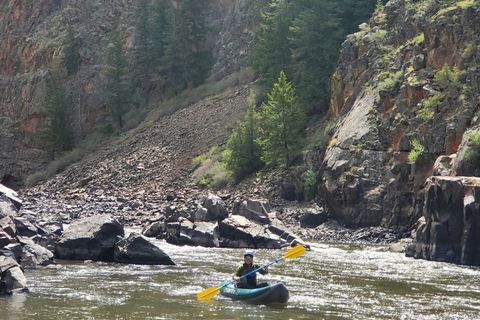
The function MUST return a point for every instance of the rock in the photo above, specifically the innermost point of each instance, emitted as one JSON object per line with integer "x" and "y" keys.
{"x": 312, "y": 219}
{"x": 12, "y": 195}
{"x": 34, "y": 255}
{"x": 25, "y": 228}
{"x": 136, "y": 249}
{"x": 212, "y": 209}
{"x": 205, "y": 234}
{"x": 239, "y": 232}
{"x": 254, "y": 209}
{"x": 15, "y": 249}
{"x": 401, "y": 246}
{"x": 13, "y": 278}
{"x": 154, "y": 229}
{"x": 449, "y": 231}
{"x": 91, "y": 238}
{"x": 7, "y": 208}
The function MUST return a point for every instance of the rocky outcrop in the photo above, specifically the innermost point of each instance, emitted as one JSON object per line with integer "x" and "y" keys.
{"x": 449, "y": 230}
{"x": 382, "y": 95}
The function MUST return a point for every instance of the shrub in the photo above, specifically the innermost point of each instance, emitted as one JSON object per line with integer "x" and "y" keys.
{"x": 430, "y": 106}
{"x": 473, "y": 149}
{"x": 310, "y": 183}
{"x": 417, "y": 153}
{"x": 445, "y": 77}
{"x": 210, "y": 171}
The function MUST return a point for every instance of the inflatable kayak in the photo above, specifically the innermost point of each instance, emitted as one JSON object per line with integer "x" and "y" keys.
{"x": 277, "y": 293}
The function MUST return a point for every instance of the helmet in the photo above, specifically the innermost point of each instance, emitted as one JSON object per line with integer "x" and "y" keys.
{"x": 248, "y": 253}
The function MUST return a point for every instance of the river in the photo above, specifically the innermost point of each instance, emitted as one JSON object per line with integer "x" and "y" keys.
{"x": 332, "y": 281}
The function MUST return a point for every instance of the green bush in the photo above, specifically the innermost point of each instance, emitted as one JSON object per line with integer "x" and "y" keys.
{"x": 473, "y": 149}
{"x": 417, "y": 153}
{"x": 445, "y": 77}
{"x": 310, "y": 183}
{"x": 209, "y": 171}
{"x": 430, "y": 106}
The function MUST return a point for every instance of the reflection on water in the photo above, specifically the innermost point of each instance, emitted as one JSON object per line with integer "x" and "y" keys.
{"x": 329, "y": 282}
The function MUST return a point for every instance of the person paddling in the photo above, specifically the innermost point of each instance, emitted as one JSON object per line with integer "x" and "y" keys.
{"x": 249, "y": 282}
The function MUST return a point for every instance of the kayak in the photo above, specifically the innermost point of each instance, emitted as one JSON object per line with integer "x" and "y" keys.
{"x": 277, "y": 293}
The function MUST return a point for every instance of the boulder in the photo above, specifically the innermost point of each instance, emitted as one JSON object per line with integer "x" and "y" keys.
{"x": 258, "y": 210}
{"x": 25, "y": 228}
{"x": 11, "y": 195}
{"x": 240, "y": 232}
{"x": 205, "y": 234}
{"x": 7, "y": 208}
{"x": 313, "y": 218}
{"x": 91, "y": 238}
{"x": 34, "y": 255}
{"x": 137, "y": 249}
{"x": 13, "y": 278}
{"x": 212, "y": 208}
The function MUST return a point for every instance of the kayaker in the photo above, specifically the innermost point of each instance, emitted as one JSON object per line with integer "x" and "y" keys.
{"x": 248, "y": 265}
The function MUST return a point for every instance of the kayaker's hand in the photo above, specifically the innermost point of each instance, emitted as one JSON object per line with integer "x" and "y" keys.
{"x": 266, "y": 269}
{"x": 236, "y": 277}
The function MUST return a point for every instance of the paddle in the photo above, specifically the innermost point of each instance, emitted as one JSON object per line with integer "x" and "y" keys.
{"x": 291, "y": 254}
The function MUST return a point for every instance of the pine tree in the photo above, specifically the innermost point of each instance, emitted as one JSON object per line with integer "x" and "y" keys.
{"x": 314, "y": 35}
{"x": 143, "y": 45}
{"x": 116, "y": 72}
{"x": 57, "y": 134}
{"x": 71, "y": 53}
{"x": 243, "y": 153}
{"x": 282, "y": 124}
{"x": 187, "y": 57}
{"x": 271, "y": 48}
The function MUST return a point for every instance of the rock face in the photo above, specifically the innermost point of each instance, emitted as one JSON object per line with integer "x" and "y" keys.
{"x": 383, "y": 97}
{"x": 449, "y": 230}
{"x": 91, "y": 238}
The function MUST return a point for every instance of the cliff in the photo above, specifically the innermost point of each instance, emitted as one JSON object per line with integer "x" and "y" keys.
{"x": 388, "y": 95}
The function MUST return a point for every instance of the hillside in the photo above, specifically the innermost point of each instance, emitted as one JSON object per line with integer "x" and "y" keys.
{"x": 388, "y": 99}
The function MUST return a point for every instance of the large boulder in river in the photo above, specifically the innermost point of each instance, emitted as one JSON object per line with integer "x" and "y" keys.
{"x": 91, "y": 238}
{"x": 136, "y": 249}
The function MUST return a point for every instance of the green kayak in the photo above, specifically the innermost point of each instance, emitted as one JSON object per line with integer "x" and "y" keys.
{"x": 277, "y": 293}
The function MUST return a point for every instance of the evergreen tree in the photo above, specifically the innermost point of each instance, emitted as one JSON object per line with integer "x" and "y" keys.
{"x": 187, "y": 57}
{"x": 57, "y": 135}
{"x": 116, "y": 72}
{"x": 160, "y": 26}
{"x": 354, "y": 13}
{"x": 282, "y": 124}
{"x": 71, "y": 53}
{"x": 316, "y": 35}
{"x": 243, "y": 153}
{"x": 143, "y": 44}
{"x": 271, "y": 47}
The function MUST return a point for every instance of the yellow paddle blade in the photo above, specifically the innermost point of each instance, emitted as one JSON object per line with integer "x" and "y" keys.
{"x": 295, "y": 252}
{"x": 208, "y": 294}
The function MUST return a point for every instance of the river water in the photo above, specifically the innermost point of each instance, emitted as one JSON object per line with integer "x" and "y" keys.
{"x": 332, "y": 281}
